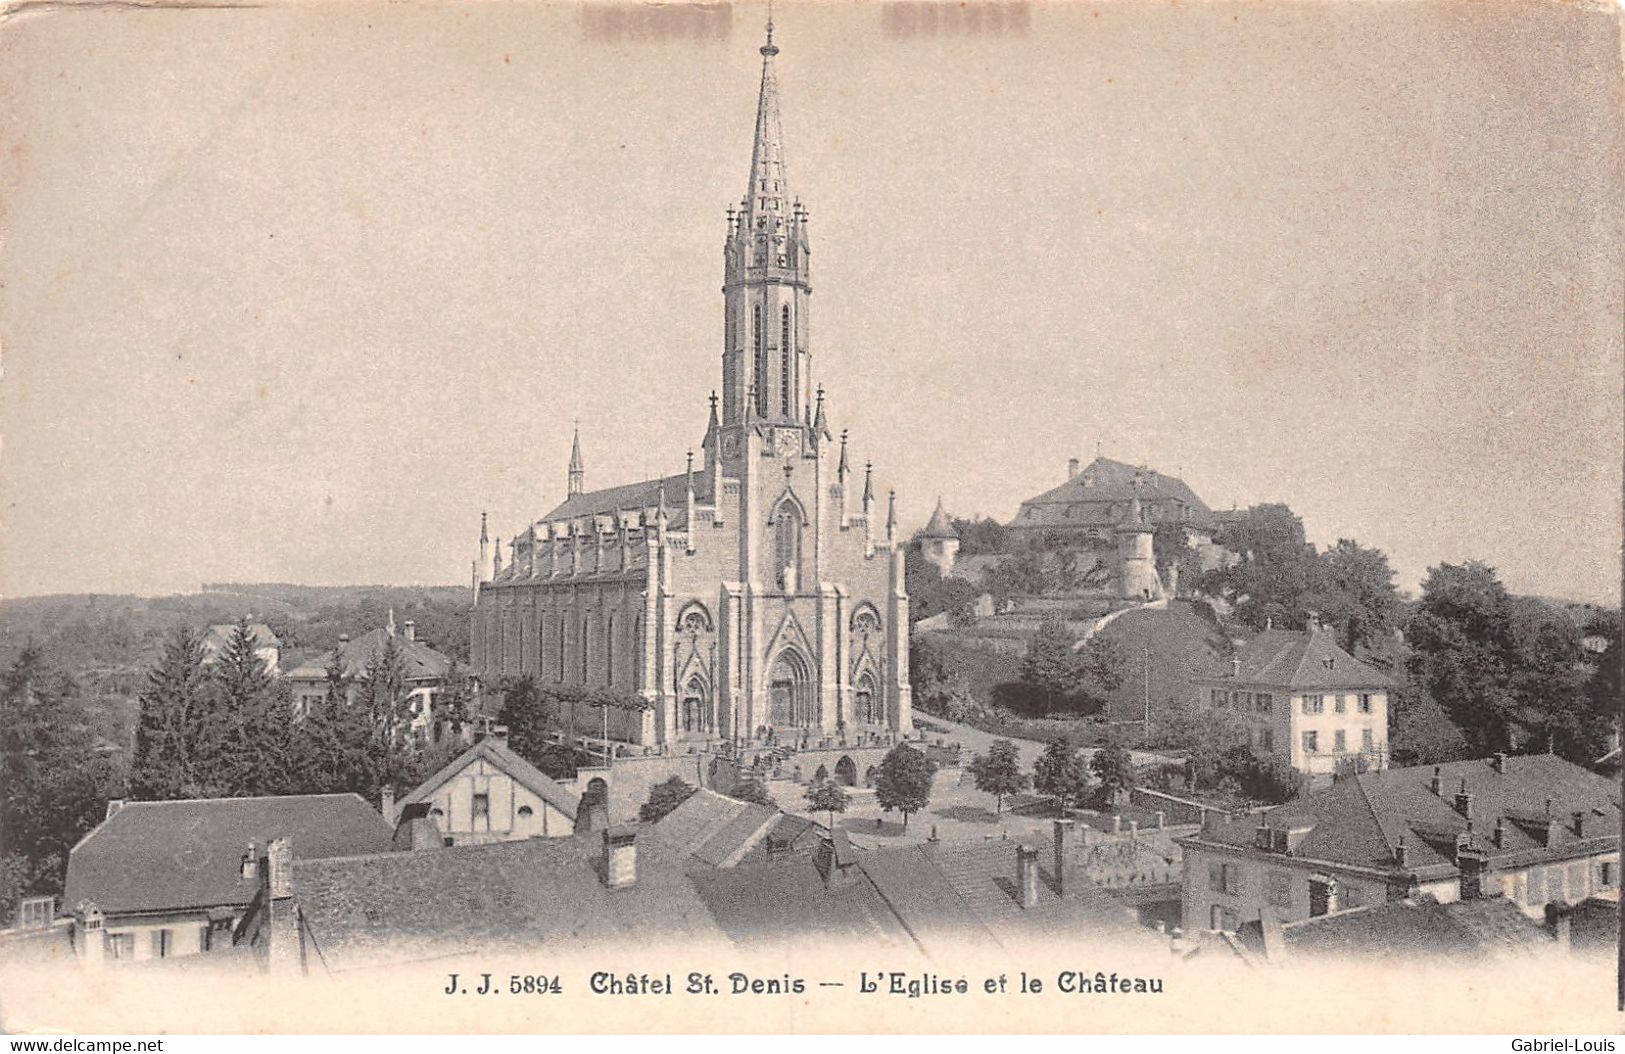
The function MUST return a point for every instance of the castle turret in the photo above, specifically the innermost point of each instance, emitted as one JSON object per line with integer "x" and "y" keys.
{"x": 1136, "y": 561}
{"x": 939, "y": 542}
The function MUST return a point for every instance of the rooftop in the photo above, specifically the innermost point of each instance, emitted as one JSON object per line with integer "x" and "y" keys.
{"x": 419, "y": 662}
{"x": 1408, "y": 929}
{"x": 181, "y": 855}
{"x": 496, "y": 752}
{"x": 1102, "y": 492}
{"x": 1303, "y": 659}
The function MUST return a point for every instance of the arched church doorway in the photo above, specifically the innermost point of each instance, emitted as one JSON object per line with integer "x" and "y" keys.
{"x": 695, "y": 711}
{"x": 866, "y": 701}
{"x": 821, "y": 775}
{"x": 789, "y": 692}
{"x": 846, "y": 772}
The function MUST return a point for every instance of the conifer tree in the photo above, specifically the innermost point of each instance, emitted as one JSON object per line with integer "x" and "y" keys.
{"x": 170, "y": 737}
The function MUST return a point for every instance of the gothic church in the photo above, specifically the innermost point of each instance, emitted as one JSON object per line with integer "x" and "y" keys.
{"x": 756, "y": 590}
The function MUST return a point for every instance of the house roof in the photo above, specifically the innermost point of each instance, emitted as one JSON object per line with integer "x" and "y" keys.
{"x": 495, "y": 752}
{"x": 419, "y": 662}
{"x": 1358, "y": 821}
{"x": 219, "y": 637}
{"x": 1485, "y": 926}
{"x": 1099, "y": 495}
{"x": 932, "y": 896}
{"x": 546, "y": 893}
{"x": 714, "y": 829}
{"x": 180, "y": 855}
{"x": 1299, "y": 659}
{"x": 940, "y": 525}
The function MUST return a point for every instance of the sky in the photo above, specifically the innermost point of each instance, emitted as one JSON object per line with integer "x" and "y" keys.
{"x": 293, "y": 293}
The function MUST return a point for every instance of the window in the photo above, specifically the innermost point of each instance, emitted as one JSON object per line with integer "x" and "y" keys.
{"x": 120, "y": 945}
{"x": 1311, "y": 742}
{"x": 787, "y": 547}
{"x": 1264, "y": 702}
{"x": 1365, "y": 702}
{"x": 1223, "y": 919}
{"x": 1314, "y": 704}
{"x": 1278, "y": 889}
{"x": 1608, "y": 875}
{"x": 1368, "y": 739}
{"x": 760, "y": 351}
{"x": 1339, "y": 741}
{"x": 525, "y": 812}
{"x": 482, "y": 809}
{"x": 785, "y": 351}
{"x": 561, "y": 647}
{"x": 1213, "y": 697}
{"x": 586, "y": 627}
{"x": 162, "y": 944}
{"x": 1266, "y": 739}
{"x": 1342, "y": 703}
{"x": 1224, "y": 878}
{"x": 609, "y": 649}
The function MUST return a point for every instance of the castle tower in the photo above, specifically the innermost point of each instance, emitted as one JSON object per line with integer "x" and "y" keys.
{"x": 939, "y": 542}
{"x": 578, "y": 472}
{"x": 766, "y": 280}
{"x": 1136, "y": 560}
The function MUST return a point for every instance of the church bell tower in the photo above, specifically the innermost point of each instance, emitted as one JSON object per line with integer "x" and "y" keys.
{"x": 766, "y": 365}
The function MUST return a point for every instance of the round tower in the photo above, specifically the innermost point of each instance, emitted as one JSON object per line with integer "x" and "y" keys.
{"x": 939, "y": 542}
{"x": 1136, "y": 560}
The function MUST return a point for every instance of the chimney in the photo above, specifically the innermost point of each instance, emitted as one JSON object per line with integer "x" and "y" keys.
{"x": 411, "y": 629}
{"x": 499, "y": 733}
{"x": 386, "y": 804}
{"x": 279, "y": 939}
{"x": 833, "y": 859}
{"x": 1557, "y": 925}
{"x": 1436, "y": 784}
{"x": 344, "y": 638}
{"x": 1499, "y": 762}
{"x": 113, "y": 806}
{"x": 89, "y": 941}
{"x": 1579, "y": 825}
{"x": 1402, "y": 853}
{"x": 1063, "y": 838}
{"x": 1471, "y": 863}
{"x": 1027, "y": 875}
{"x": 1071, "y": 468}
{"x": 249, "y": 865}
{"x": 1464, "y": 801}
{"x": 620, "y": 857}
{"x": 1500, "y": 836}
{"x": 1235, "y": 666}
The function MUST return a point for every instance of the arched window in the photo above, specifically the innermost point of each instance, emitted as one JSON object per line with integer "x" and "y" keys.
{"x": 785, "y": 351}
{"x": 637, "y": 652}
{"x": 761, "y": 358}
{"x": 609, "y": 649}
{"x": 787, "y": 546}
{"x": 790, "y": 692}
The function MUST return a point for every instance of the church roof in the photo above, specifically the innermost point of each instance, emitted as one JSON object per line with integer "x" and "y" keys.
{"x": 1099, "y": 495}
{"x": 939, "y": 526}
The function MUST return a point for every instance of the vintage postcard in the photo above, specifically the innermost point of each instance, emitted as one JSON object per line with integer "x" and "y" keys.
{"x": 899, "y": 517}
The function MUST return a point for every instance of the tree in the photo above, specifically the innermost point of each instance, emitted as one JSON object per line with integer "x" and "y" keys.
{"x": 1269, "y": 582}
{"x": 1171, "y": 547}
{"x": 1114, "y": 768}
{"x": 1353, "y": 589}
{"x": 525, "y": 714}
{"x": 170, "y": 746}
{"x": 248, "y": 726}
{"x": 981, "y": 536}
{"x": 751, "y": 790}
{"x": 1065, "y": 678}
{"x": 664, "y": 797}
{"x": 54, "y": 783}
{"x": 1463, "y": 650}
{"x": 333, "y": 749}
{"x": 903, "y": 780}
{"x": 998, "y": 772}
{"x": 1061, "y": 773}
{"x": 929, "y": 593}
{"x": 1019, "y": 575}
{"x": 558, "y": 762}
{"x": 1419, "y": 731}
{"x": 828, "y": 797}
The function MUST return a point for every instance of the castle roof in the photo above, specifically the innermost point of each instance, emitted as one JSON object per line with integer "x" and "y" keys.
{"x": 939, "y": 526}
{"x": 1099, "y": 495}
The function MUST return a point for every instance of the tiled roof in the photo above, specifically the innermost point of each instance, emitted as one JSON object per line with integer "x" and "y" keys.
{"x": 644, "y": 494}
{"x": 419, "y": 662}
{"x": 1463, "y": 930}
{"x": 494, "y": 751}
{"x": 1304, "y": 659}
{"x": 174, "y": 855}
{"x": 716, "y": 830}
{"x": 933, "y": 896}
{"x": 219, "y": 637}
{"x": 541, "y": 894}
{"x": 1101, "y": 491}
{"x": 1359, "y": 820}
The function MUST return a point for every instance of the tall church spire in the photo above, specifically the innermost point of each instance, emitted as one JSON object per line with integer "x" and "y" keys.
{"x": 765, "y": 358}
{"x": 578, "y": 473}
